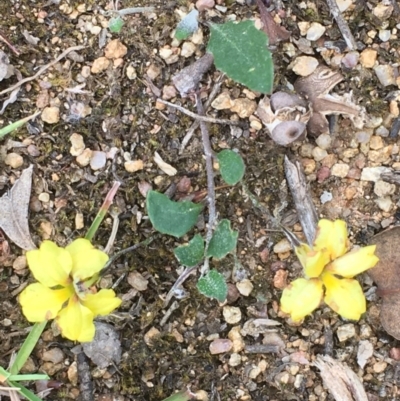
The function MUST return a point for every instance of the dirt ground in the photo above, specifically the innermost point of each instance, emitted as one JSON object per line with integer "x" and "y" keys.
{"x": 116, "y": 114}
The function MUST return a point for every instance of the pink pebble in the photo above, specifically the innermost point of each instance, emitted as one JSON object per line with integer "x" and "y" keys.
{"x": 220, "y": 346}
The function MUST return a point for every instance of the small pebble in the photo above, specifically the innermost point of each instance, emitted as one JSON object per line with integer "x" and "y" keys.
{"x": 33, "y": 151}
{"x": 304, "y": 65}
{"x": 315, "y": 31}
{"x": 326, "y": 197}
{"x": 379, "y": 367}
{"x": 235, "y": 359}
{"x": 384, "y": 35}
{"x": 245, "y": 287}
{"x": 346, "y": 331}
{"x": 324, "y": 141}
{"x": 84, "y": 158}
{"x": 282, "y": 246}
{"x": 202, "y": 5}
{"x": 385, "y": 74}
{"x": 115, "y": 49}
{"x": 368, "y": 58}
{"x": 340, "y": 170}
{"x": 132, "y": 166}
{"x": 51, "y": 115}
{"x": 280, "y": 279}
{"x": 383, "y": 188}
{"x": 319, "y": 154}
{"x": 78, "y": 146}
{"x": 20, "y": 263}
{"x": 54, "y": 355}
{"x": 220, "y": 346}
{"x": 232, "y": 314}
{"x": 188, "y": 49}
{"x": 373, "y": 173}
{"x": 44, "y": 197}
{"x": 98, "y": 160}
{"x": 99, "y": 65}
{"x": 384, "y": 204}
{"x": 14, "y": 160}
{"x": 244, "y": 107}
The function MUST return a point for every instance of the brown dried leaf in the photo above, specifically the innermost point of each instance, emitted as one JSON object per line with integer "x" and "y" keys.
{"x": 386, "y": 275}
{"x": 14, "y": 211}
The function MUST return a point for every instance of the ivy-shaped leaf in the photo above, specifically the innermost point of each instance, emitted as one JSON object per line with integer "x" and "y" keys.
{"x": 240, "y": 51}
{"x": 188, "y": 26}
{"x": 223, "y": 240}
{"x": 169, "y": 217}
{"x": 192, "y": 253}
{"x": 231, "y": 166}
{"x": 213, "y": 285}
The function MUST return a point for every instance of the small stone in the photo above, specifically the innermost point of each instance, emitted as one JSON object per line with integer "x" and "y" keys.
{"x": 151, "y": 336}
{"x": 14, "y": 160}
{"x": 137, "y": 281}
{"x": 383, "y": 11}
{"x": 315, "y": 31}
{"x": 132, "y": 166}
{"x": 303, "y": 27}
{"x": 54, "y": 355}
{"x": 324, "y": 141}
{"x": 280, "y": 279}
{"x": 379, "y": 367}
{"x": 326, "y": 197}
{"x": 220, "y": 346}
{"x": 169, "y": 55}
{"x": 304, "y": 65}
{"x": 382, "y": 188}
{"x": 51, "y": 115}
{"x": 98, "y": 160}
{"x": 363, "y": 136}
{"x": 340, "y": 170}
{"x": 153, "y": 71}
{"x": 385, "y": 74}
{"x": 232, "y": 314}
{"x": 350, "y": 193}
{"x": 245, "y": 287}
{"x": 319, "y": 154}
{"x": 394, "y": 353}
{"x": 244, "y": 107}
{"x": 346, "y": 331}
{"x": 79, "y": 221}
{"x": 99, "y": 65}
{"x": 72, "y": 373}
{"x": 131, "y": 72}
{"x": 308, "y": 165}
{"x": 323, "y": 173}
{"x": 115, "y": 49}
{"x": 188, "y": 49}
{"x": 384, "y": 35}
{"x": 235, "y": 359}
{"x": 233, "y": 294}
{"x": 368, "y": 58}
{"x": 222, "y": 101}
{"x": 343, "y": 5}
{"x": 202, "y": 5}
{"x": 78, "y": 146}
{"x": 373, "y": 173}
{"x": 254, "y": 372}
{"x": 384, "y": 204}
{"x": 282, "y": 246}
{"x": 33, "y": 150}
{"x": 20, "y": 263}
{"x": 44, "y": 197}
{"x": 350, "y": 60}
{"x": 84, "y": 158}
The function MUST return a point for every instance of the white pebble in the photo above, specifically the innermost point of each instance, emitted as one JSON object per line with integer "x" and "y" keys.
{"x": 98, "y": 160}
{"x": 324, "y": 141}
{"x": 232, "y": 314}
{"x": 315, "y": 31}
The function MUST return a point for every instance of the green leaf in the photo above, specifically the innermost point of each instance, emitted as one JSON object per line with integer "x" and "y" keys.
{"x": 240, "y": 51}
{"x": 231, "y": 166}
{"x": 28, "y": 377}
{"x": 192, "y": 253}
{"x": 13, "y": 126}
{"x": 188, "y": 26}
{"x": 169, "y": 217}
{"x": 25, "y": 392}
{"x": 27, "y": 347}
{"x": 115, "y": 24}
{"x": 223, "y": 240}
{"x": 213, "y": 285}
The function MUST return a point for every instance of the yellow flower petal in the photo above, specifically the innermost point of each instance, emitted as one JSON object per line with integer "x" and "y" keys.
{"x": 87, "y": 261}
{"x": 315, "y": 262}
{"x": 40, "y": 303}
{"x": 354, "y": 262}
{"x": 344, "y": 296}
{"x": 50, "y": 264}
{"x": 102, "y": 303}
{"x": 301, "y": 297}
{"x": 332, "y": 236}
{"x": 76, "y": 321}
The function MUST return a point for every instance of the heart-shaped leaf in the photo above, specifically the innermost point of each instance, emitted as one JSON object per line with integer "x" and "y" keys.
{"x": 213, "y": 285}
{"x": 192, "y": 253}
{"x": 231, "y": 166}
{"x": 240, "y": 51}
{"x": 169, "y": 217}
{"x": 386, "y": 275}
{"x": 223, "y": 240}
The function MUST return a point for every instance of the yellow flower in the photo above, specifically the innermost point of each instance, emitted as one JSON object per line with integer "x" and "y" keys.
{"x": 322, "y": 263}
{"x": 63, "y": 290}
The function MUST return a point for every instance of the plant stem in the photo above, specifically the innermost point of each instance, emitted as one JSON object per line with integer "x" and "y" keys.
{"x": 27, "y": 347}
{"x": 135, "y": 10}
{"x": 208, "y": 152}
{"x": 103, "y": 211}
{"x": 11, "y": 127}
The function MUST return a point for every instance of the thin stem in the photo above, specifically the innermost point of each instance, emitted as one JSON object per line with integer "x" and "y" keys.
{"x": 202, "y": 118}
{"x": 212, "y": 211}
{"x": 103, "y": 211}
{"x": 27, "y": 347}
